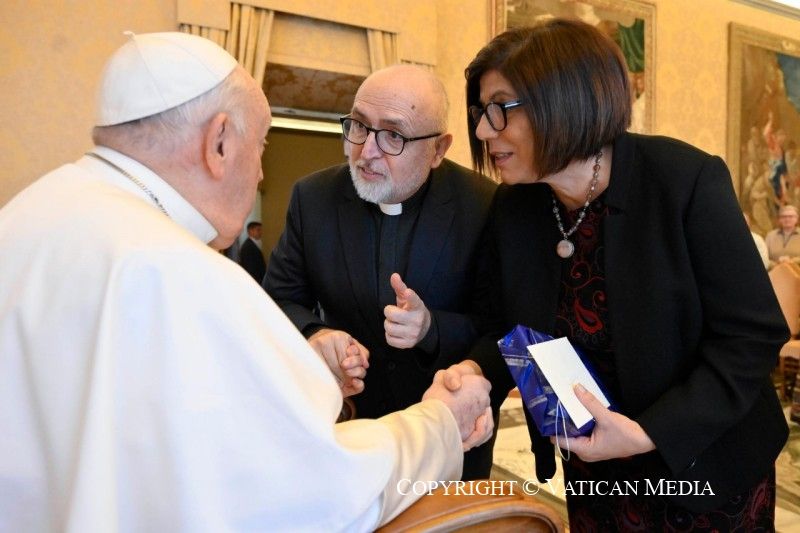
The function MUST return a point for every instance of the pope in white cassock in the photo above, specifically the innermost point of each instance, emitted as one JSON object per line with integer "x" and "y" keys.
{"x": 147, "y": 383}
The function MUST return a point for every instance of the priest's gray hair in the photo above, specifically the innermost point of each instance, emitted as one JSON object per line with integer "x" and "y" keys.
{"x": 166, "y": 132}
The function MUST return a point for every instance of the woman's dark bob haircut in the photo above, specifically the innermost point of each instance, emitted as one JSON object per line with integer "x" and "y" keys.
{"x": 573, "y": 83}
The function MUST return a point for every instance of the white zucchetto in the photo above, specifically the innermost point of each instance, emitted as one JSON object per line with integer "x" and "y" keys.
{"x": 154, "y": 72}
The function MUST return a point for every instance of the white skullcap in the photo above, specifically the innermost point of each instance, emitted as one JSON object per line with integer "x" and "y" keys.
{"x": 154, "y": 72}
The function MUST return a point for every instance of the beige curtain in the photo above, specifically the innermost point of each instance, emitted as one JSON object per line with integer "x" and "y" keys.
{"x": 426, "y": 66}
{"x": 212, "y": 34}
{"x": 382, "y": 49}
{"x": 248, "y": 37}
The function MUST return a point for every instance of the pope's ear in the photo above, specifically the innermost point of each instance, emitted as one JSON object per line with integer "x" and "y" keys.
{"x": 216, "y": 144}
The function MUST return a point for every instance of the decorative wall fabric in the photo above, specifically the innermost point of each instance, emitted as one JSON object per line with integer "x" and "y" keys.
{"x": 382, "y": 49}
{"x": 248, "y": 37}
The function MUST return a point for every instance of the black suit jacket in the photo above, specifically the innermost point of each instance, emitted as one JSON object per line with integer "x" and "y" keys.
{"x": 327, "y": 253}
{"x": 695, "y": 323}
{"x": 252, "y": 260}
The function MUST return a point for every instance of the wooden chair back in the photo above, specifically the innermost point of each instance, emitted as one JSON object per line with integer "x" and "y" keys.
{"x": 508, "y": 513}
{"x": 785, "y": 279}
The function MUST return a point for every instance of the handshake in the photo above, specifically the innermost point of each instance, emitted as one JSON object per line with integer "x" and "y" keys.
{"x": 465, "y": 392}
{"x": 461, "y": 387}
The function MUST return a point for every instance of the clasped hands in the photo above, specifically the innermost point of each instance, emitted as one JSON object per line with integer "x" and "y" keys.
{"x": 347, "y": 358}
{"x": 614, "y": 435}
{"x": 406, "y": 324}
{"x": 469, "y": 404}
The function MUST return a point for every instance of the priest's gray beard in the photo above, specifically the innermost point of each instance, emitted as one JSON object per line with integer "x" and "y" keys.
{"x": 386, "y": 190}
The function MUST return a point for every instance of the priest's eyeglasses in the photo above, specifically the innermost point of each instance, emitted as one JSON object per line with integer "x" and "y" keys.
{"x": 495, "y": 113}
{"x": 390, "y": 142}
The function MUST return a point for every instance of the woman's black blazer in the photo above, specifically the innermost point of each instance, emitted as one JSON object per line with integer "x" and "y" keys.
{"x": 695, "y": 324}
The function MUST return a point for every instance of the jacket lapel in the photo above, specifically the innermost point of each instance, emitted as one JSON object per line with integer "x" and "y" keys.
{"x": 357, "y": 239}
{"x": 435, "y": 218}
{"x": 534, "y": 254}
{"x": 622, "y": 267}
{"x": 624, "y": 166}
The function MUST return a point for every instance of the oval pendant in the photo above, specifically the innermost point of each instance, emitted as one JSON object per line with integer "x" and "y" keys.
{"x": 565, "y": 248}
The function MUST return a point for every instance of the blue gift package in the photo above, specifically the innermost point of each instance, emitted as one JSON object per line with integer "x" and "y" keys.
{"x": 537, "y": 395}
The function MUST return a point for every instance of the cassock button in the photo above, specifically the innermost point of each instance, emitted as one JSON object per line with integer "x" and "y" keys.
{"x": 390, "y": 365}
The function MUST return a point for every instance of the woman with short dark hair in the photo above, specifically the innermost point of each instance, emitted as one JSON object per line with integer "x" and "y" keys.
{"x": 635, "y": 249}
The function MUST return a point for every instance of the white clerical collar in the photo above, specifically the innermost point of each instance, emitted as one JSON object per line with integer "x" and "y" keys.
{"x": 391, "y": 209}
{"x": 176, "y": 206}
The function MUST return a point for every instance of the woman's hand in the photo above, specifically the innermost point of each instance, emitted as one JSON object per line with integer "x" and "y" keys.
{"x": 614, "y": 435}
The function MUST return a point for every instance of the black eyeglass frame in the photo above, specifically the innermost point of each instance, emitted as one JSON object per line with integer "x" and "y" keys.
{"x": 377, "y": 131}
{"x": 483, "y": 111}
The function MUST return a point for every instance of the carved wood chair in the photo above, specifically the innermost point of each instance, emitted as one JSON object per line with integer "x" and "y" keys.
{"x": 439, "y": 512}
{"x": 785, "y": 279}
{"x": 468, "y": 511}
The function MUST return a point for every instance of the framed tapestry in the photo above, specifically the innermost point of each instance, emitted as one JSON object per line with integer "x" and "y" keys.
{"x": 629, "y": 23}
{"x": 763, "y": 122}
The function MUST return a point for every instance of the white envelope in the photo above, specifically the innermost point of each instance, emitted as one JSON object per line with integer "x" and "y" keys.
{"x": 563, "y": 368}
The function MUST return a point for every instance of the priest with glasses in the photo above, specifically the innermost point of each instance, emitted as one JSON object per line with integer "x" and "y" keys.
{"x": 376, "y": 262}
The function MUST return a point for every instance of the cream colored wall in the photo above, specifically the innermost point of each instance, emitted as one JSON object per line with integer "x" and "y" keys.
{"x": 52, "y": 53}
{"x": 463, "y": 27}
{"x": 692, "y": 65}
{"x": 691, "y": 48}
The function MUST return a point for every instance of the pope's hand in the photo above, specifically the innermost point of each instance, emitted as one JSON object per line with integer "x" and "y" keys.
{"x": 347, "y": 358}
{"x": 469, "y": 405}
{"x": 407, "y": 322}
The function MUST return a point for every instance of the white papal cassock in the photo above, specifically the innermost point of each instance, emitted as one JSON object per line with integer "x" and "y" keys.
{"x": 148, "y": 384}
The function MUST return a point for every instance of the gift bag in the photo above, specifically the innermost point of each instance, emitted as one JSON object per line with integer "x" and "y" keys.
{"x": 537, "y": 395}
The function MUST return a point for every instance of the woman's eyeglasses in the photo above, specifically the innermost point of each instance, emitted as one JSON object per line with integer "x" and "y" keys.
{"x": 495, "y": 113}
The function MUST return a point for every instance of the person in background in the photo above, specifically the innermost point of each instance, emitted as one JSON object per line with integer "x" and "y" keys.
{"x": 165, "y": 394}
{"x": 783, "y": 243}
{"x": 250, "y": 257}
{"x": 634, "y": 248}
{"x": 385, "y": 246}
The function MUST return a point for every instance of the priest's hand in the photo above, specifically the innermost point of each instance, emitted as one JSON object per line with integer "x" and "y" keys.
{"x": 453, "y": 375}
{"x": 407, "y": 322}
{"x": 347, "y": 358}
{"x": 614, "y": 435}
{"x": 469, "y": 405}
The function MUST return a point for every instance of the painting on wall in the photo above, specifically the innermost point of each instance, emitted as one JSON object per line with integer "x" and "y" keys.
{"x": 764, "y": 122}
{"x": 629, "y": 23}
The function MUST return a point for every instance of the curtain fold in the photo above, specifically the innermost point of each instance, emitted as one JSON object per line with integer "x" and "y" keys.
{"x": 212, "y": 34}
{"x": 382, "y": 49}
{"x": 425, "y": 66}
{"x": 247, "y": 40}
{"x": 631, "y": 40}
